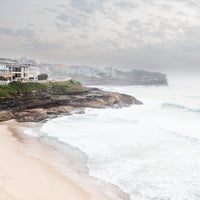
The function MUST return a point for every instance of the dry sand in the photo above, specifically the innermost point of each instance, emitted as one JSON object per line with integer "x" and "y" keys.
{"x": 23, "y": 177}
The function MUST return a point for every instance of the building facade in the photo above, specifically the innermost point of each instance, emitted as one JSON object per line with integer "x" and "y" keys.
{"x": 4, "y": 72}
{"x": 33, "y": 73}
{"x": 19, "y": 71}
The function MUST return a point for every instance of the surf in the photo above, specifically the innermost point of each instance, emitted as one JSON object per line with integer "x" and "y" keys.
{"x": 149, "y": 151}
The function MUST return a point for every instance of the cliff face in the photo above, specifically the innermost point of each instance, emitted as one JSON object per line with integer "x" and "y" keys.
{"x": 39, "y": 105}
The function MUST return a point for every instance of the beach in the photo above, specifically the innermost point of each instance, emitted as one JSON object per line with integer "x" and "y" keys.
{"x": 24, "y": 176}
{"x": 138, "y": 152}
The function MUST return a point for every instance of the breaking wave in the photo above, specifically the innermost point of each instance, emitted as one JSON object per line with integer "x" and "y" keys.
{"x": 180, "y": 107}
{"x": 149, "y": 151}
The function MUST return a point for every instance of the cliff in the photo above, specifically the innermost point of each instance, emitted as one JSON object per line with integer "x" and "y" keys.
{"x": 53, "y": 100}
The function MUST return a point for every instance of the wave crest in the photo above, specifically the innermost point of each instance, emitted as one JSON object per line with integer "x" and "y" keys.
{"x": 180, "y": 107}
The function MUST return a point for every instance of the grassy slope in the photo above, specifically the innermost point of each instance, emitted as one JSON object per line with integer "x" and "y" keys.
{"x": 53, "y": 88}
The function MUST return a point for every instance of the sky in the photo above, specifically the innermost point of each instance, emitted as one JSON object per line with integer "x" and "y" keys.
{"x": 141, "y": 34}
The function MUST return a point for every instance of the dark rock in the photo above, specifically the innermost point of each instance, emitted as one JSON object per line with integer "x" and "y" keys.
{"x": 38, "y": 106}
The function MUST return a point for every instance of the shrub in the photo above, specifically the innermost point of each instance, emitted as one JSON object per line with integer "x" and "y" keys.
{"x": 42, "y": 77}
{"x": 53, "y": 88}
{"x": 65, "y": 87}
{"x": 3, "y": 78}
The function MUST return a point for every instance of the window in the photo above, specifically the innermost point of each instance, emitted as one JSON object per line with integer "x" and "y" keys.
{"x": 3, "y": 72}
{"x": 2, "y": 67}
{"x": 16, "y": 69}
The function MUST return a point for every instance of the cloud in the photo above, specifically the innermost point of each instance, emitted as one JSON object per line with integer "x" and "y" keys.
{"x": 7, "y": 31}
{"x": 86, "y": 6}
{"x": 74, "y": 21}
{"x": 126, "y": 4}
{"x": 109, "y": 32}
{"x": 24, "y": 33}
{"x": 27, "y": 33}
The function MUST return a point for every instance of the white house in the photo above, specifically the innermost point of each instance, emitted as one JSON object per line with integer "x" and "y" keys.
{"x": 33, "y": 73}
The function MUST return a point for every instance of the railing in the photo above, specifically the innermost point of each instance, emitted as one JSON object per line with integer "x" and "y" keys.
{"x": 4, "y": 82}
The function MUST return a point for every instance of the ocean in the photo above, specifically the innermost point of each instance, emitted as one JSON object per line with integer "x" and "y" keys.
{"x": 150, "y": 151}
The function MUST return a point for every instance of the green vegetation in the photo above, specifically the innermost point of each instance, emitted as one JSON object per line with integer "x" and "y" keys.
{"x": 42, "y": 77}
{"x": 3, "y": 78}
{"x": 53, "y": 88}
{"x": 59, "y": 88}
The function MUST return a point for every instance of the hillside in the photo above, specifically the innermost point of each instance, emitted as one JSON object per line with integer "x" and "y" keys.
{"x": 53, "y": 88}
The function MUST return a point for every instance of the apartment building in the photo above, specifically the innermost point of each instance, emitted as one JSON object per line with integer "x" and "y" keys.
{"x": 19, "y": 71}
{"x": 22, "y": 69}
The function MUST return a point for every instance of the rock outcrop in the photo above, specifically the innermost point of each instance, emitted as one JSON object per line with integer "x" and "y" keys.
{"x": 40, "y": 105}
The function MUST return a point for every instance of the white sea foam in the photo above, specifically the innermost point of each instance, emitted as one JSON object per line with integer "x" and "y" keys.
{"x": 150, "y": 151}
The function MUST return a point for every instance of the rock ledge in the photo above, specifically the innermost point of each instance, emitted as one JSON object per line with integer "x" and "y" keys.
{"x": 38, "y": 106}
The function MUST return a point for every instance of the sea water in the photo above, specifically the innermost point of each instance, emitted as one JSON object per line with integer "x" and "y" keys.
{"x": 150, "y": 151}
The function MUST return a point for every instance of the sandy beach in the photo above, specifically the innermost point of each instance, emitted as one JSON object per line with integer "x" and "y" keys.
{"x": 26, "y": 177}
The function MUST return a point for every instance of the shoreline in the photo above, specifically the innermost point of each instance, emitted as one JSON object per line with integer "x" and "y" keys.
{"x": 44, "y": 160}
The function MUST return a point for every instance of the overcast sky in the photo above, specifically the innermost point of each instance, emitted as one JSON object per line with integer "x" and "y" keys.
{"x": 148, "y": 34}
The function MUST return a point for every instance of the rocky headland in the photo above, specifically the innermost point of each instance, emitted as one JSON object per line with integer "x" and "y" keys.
{"x": 54, "y": 100}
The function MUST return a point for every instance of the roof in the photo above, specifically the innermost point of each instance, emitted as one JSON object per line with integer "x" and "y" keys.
{"x": 17, "y": 65}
